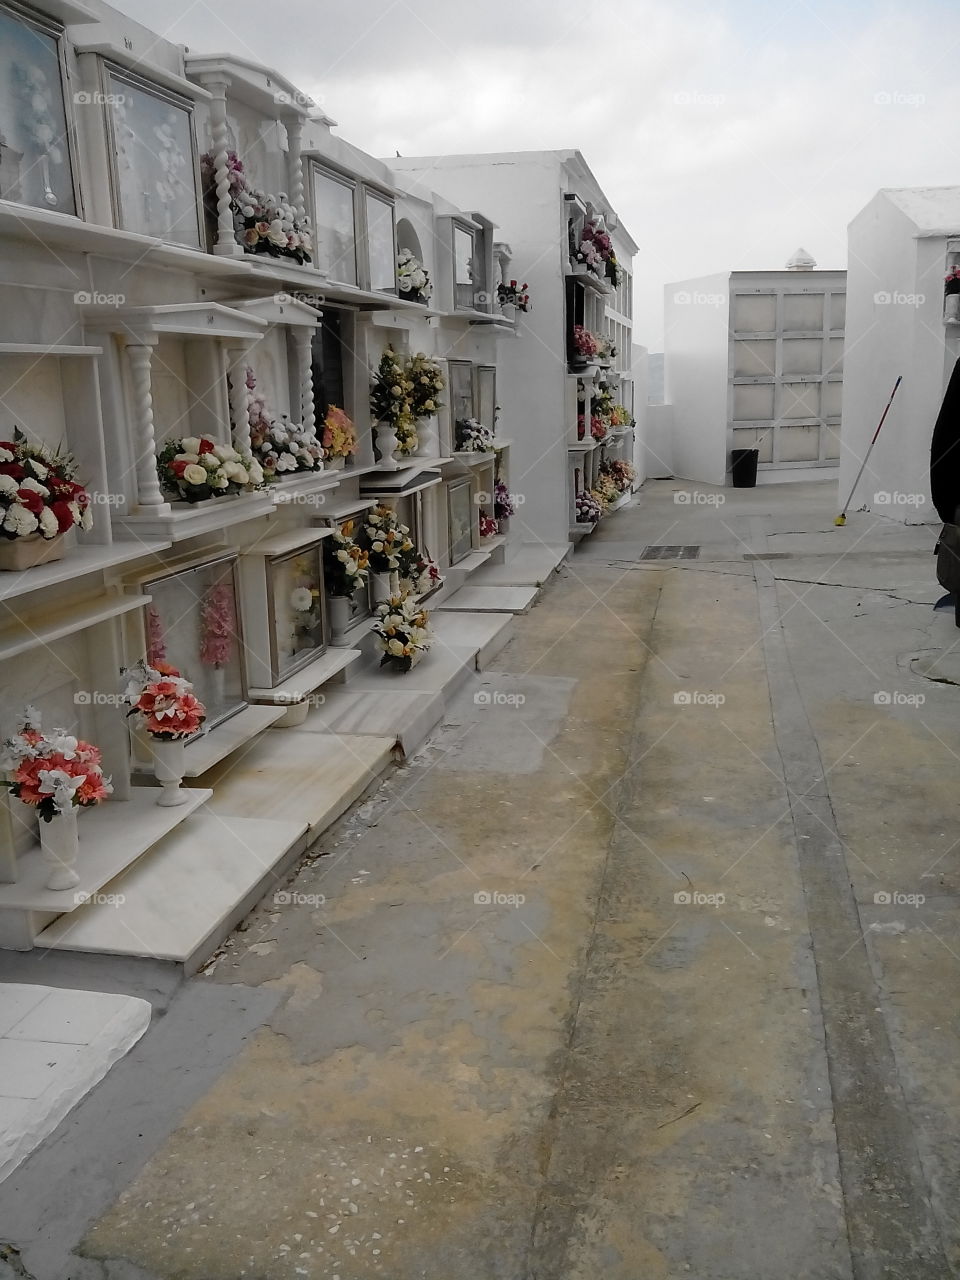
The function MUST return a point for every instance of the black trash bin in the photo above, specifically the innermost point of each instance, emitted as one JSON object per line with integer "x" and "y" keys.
{"x": 743, "y": 467}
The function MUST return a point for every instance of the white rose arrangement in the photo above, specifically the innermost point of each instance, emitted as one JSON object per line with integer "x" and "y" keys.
{"x": 196, "y": 468}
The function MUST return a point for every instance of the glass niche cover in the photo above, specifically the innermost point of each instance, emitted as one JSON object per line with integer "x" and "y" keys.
{"x": 156, "y": 175}
{"x": 34, "y": 144}
{"x": 193, "y": 624}
{"x": 295, "y": 597}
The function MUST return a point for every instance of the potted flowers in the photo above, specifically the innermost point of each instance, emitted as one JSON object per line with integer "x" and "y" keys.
{"x": 384, "y": 539}
{"x": 195, "y": 469}
{"x": 504, "y": 505}
{"x": 606, "y": 351}
{"x": 264, "y": 223}
{"x": 473, "y": 436}
{"x": 389, "y": 404}
{"x": 170, "y": 714}
{"x": 56, "y": 774}
{"x": 488, "y": 527}
{"x": 280, "y": 448}
{"x": 346, "y": 569}
{"x": 339, "y": 438}
{"x": 412, "y": 278}
{"x": 419, "y": 574}
{"x": 426, "y": 384}
{"x": 39, "y": 501}
{"x": 512, "y": 296}
{"x": 588, "y": 508}
{"x": 404, "y": 632}
{"x": 585, "y": 347}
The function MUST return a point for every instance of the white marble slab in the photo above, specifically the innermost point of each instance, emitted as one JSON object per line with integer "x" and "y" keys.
{"x": 228, "y": 737}
{"x": 527, "y": 564}
{"x": 55, "y": 1045}
{"x": 310, "y": 677}
{"x": 188, "y": 894}
{"x": 112, "y": 836}
{"x": 491, "y": 599}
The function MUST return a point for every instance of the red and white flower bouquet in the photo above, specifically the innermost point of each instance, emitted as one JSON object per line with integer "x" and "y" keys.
{"x": 164, "y": 700}
{"x": 38, "y": 491}
{"x": 53, "y": 772}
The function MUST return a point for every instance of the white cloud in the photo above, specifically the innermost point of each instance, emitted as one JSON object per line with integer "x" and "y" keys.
{"x": 725, "y": 139}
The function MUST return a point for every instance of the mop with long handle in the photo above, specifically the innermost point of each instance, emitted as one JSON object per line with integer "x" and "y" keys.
{"x": 842, "y": 517}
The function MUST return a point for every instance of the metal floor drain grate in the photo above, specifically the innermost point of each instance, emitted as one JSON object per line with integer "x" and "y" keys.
{"x": 670, "y": 553}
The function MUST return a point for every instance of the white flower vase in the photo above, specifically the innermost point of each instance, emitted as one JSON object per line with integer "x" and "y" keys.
{"x": 428, "y": 435}
{"x": 340, "y": 610}
{"x": 951, "y": 307}
{"x": 217, "y": 687}
{"x": 168, "y": 766}
{"x": 385, "y": 585}
{"x": 387, "y": 444}
{"x": 509, "y": 312}
{"x": 59, "y": 842}
{"x": 335, "y": 464}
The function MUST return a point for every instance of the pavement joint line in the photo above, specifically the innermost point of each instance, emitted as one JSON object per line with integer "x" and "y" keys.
{"x": 891, "y": 1228}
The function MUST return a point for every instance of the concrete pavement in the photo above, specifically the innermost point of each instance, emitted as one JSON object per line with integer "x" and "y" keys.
{"x": 645, "y": 968}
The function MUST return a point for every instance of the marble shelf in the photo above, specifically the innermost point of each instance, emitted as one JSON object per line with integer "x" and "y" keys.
{"x": 112, "y": 836}
{"x": 278, "y": 544}
{"x": 198, "y": 518}
{"x": 210, "y": 748}
{"x": 46, "y": 349}
{"x": 298, "y": 489}
{"x": 301, "y": 684}
{"x": 54, "y": 624}
{"x": 80, "y": 560}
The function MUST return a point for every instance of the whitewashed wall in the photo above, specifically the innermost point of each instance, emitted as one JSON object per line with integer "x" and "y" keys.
{"x": 696, "y": 342}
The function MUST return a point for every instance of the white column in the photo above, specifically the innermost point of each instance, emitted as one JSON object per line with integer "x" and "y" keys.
{"x": 150, "y": 499}
{"x": 297, "y": 196}
{"x": 226, "y": 245}
{"x": 238, "y": 358}
{"x": 303, "y": 339}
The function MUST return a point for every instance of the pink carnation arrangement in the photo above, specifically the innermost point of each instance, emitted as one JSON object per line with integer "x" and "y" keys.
{"x": 52, "y": 772}
{"x": 164, "y": 701}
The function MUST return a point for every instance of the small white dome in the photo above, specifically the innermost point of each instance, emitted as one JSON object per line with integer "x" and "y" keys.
{"x": 801, "y": 261}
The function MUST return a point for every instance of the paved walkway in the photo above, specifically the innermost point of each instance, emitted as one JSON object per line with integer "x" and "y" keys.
{"x": 645, "y": 969}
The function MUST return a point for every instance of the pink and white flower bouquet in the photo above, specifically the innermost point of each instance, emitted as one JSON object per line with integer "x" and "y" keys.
{"x": 164, "y": 701}
{"x": 52, "y": 772}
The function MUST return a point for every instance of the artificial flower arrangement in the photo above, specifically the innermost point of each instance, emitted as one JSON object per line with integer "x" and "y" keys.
{"x": 598, "y": 428}
{"x": 595, "y": 248}
{"x": 345, "y": 564}
{"x": 196, "y": 468}
{"x": 606, "y": 491}
{"x": 620, "y": 472}
{"x": 586, "y": 345}
{"x": 280, "y": 448}
{"x": 488, "y": 525}
{"x": 588, "y": 508}
{"x": 413, "y": 278}
{"x": 163, "y": 700}
{"x": 52, "y": 772}
{"x": 606, "y": 349}
{"x": 504, "y": 504}
{"x": 218, "y": 627}
{"x": 390, "y": 399}
{"x": 952, "y": 281}
{"x": 420, "y": 572}
{"x": 339, "y": 434}
{"x": 613, "y": 270}
{"x": 473, "y": 436}
{"x": 404, "y": 632}
{"x": 426, "y": 384}
{"x": 384, "y": 539}
{"x": 266, "y": 224}
{"x": 513, "y": 295}
{"x": 38, "y": 492}
{"x": 620, "y": 416}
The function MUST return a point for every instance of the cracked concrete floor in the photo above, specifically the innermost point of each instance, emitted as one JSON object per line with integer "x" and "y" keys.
{"x": 646, "y": 969}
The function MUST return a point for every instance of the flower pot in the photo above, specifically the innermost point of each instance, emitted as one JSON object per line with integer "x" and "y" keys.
{"x": 168, "y": 764}
{"x": 509, "y": 311}
{"x": 385, "y": 585}
{"x": 59, "y": 841}
{"x": 334, "y": 464}
{"x": 387, "y": 444}
{"x": 951, "y": 311}
{"x": 17, "y": 554}
{"x": 340, "y": 611}
{"x": 580, "y": 269}
{"x": 428, "y": 435}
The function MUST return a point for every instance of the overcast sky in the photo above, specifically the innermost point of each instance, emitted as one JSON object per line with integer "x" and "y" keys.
{"x": 725, "y": 135}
